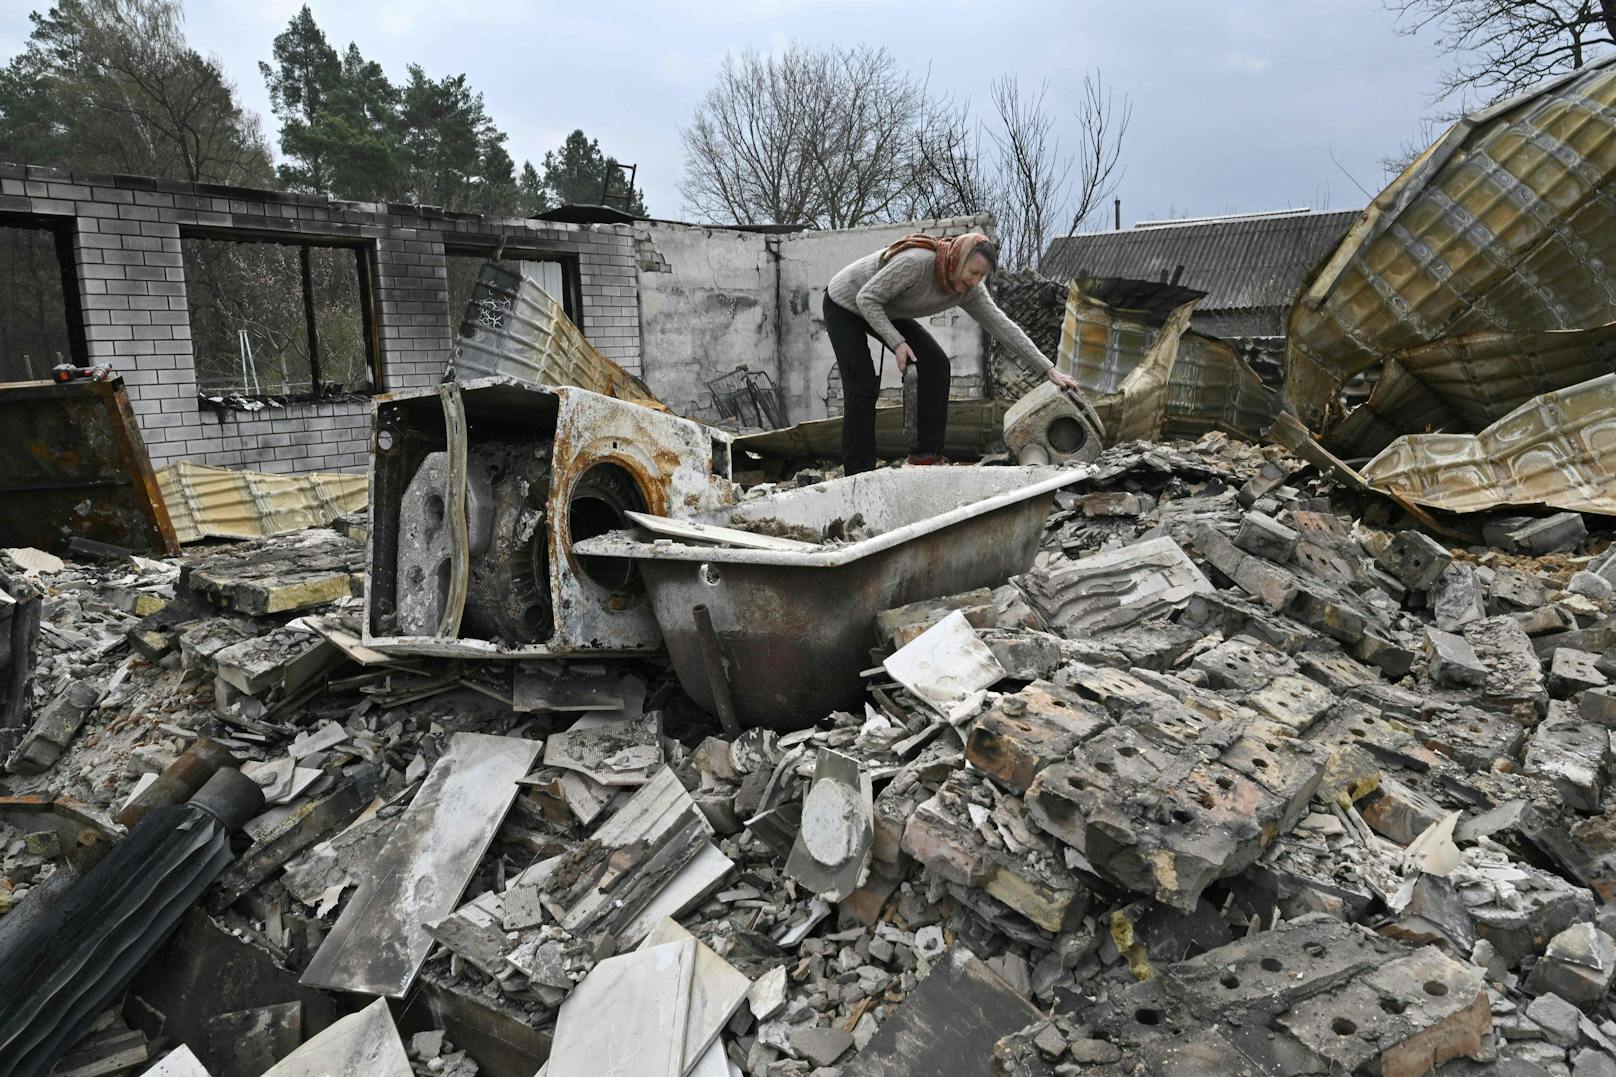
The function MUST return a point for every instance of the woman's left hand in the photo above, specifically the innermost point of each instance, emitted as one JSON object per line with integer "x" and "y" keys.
{"x": 1065, "y": 381}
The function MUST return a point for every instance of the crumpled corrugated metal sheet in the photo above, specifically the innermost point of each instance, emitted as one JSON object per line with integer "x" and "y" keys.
{"x": 1146, "y": 375}
{"x": 216, "y": 502}
{"x": 1501, "y": 232}
{"x": 1465, "y": 382}
{"x": 1212, "y": 388}
{"x": 1558, "y": 450}
{"x": 514, "y": 328}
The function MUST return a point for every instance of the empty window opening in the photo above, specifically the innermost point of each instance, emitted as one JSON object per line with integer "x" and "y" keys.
{"x": 279, "y": 320}
{"x": 40, "y": 302}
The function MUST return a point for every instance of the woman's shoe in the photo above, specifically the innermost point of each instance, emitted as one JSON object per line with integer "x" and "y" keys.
{"x": 925, "y": 459}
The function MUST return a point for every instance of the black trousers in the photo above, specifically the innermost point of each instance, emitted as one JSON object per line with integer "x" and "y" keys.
{"x": 850, "y": 338}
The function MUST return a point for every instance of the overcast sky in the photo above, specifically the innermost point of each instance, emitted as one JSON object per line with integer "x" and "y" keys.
{"x": 1239, "y": 106}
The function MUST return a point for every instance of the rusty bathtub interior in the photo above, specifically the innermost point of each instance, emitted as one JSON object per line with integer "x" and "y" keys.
{"x": 794, "y": 628}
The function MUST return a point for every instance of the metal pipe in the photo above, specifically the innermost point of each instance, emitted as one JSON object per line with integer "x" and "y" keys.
{"x": 76, "y": 957}
{"x": 179, "y": 781}
{"x": 712, "y": 654}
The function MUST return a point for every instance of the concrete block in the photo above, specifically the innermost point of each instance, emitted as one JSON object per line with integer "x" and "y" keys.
{"x": 1578, "y": 966}
{"x": 1453, "y": 661}
{"x": 1415, "y": 560}
{"x": 1572, "y": 671}
{"x": 1570, "y": 753}
{"x": 1598, "y": 705}
{"x": 1456, "y": 598}
{"x": 1262, "y": 536}
{"x": 1033, "y": 729}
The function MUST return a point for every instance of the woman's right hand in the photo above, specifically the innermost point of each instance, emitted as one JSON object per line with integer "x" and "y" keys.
{"x": 905, "y": 355}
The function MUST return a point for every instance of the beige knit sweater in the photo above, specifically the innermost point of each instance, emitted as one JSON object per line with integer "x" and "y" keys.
{"x": 906, "y": 287}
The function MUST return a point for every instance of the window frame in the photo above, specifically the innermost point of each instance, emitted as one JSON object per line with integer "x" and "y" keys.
{"x": 571, "y": 286}
{"x": 62, "y": 230}
{"x": 365, "y": 268}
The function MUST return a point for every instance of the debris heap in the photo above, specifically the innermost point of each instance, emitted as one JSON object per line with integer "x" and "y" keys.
{"x": 1244, "y": 775}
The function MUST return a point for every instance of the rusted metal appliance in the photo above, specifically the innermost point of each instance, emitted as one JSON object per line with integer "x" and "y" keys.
{"x": 793, "y": 626}
{"x": 479, "y": 490}
{"x": 75, "y": 466}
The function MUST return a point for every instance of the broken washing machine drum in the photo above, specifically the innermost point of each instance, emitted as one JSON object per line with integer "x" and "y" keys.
{"x": 1053, "y": 426}
{"x": 479, "y": 490}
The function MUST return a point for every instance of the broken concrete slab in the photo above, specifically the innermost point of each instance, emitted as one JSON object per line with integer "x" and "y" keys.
{"x": 1113, "y": 589}
{"x": 1514, "y": 674}
{"x": 1578, "y": 966}
{"x": 1403, "y": 1018}
{"x": 365, "y": 1042}
{"x": 278, "y": 575}
{"x": 945, "y": 664}
{"x": 58, "y": 723}
{"x": 1572, "y": 671}
{"x": 616, "y": 880}
{"x": 1457, "y": 598}
{"x": 970, "y": 837}
{"x": 1166, "y": 817}
{"x": 626, "y": 753}
{"x": 378, "y": 943}
{"x": 1572, "y": 754}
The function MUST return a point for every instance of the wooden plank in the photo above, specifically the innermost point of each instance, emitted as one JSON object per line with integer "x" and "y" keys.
{"x": 379, "y": 943}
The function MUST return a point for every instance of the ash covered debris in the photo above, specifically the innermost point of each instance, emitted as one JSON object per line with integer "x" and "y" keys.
{"x": 1240, "y": 772}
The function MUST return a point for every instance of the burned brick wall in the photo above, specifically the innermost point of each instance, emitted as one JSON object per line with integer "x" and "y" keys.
{"x": 123, "y": 246}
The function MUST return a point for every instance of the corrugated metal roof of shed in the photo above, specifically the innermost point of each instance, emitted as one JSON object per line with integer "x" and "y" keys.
{"x": 1240, "y": 262}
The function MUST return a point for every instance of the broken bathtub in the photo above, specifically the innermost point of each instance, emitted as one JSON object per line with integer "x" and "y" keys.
{"x": 779, "y": 637}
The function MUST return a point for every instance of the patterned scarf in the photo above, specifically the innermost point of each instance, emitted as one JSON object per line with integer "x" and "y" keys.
{"x": 952, "y": 254}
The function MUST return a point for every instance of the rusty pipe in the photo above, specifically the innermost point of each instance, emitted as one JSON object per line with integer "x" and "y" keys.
{"x": 179, "y": 781}
{"x": 712, "y": 656}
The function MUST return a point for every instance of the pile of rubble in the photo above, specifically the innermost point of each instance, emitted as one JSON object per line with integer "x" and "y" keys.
{"x": 1231, "y": 780}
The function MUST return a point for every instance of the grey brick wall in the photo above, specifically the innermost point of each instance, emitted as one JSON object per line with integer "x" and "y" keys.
{"x": 126, "y": 234}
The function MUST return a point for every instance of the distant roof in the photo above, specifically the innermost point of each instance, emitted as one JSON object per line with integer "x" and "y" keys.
{"x": 1244, "y": 261}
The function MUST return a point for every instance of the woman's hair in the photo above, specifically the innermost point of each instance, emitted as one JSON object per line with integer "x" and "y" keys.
{"x": 989, "y": 250}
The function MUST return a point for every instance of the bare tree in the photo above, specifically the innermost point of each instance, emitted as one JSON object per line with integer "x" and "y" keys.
{"x": 819, "y": 136}
{"x": 1035, "y": 173}
{"x": 1101, "y": 126}
{"x": 956, "y": 171}
{"x": 1501, "y": 47}
{"x": 837, "y": 137}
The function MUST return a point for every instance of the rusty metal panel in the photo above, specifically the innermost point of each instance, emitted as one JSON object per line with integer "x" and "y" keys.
{"x": 514, "y": 328}
{"x": 1462, "y": 383}
{"x": 1146, "y": 375}
{"x": 75, "y": 465}
{"x": 672, "y": 466}
{"x": 1506, "y": 228}
{"x": 1212, "y": 388}
{"x": 216, "y": 502}
{"x": 1558, "y": 449}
